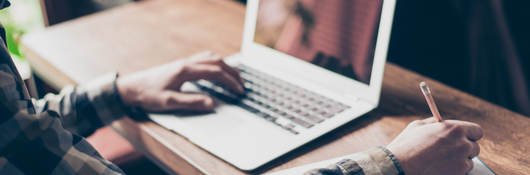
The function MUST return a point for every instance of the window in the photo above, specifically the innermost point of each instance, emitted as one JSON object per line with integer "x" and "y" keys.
{"x": 21, "y": 17}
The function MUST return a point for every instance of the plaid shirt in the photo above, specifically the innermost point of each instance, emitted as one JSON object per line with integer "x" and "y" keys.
{"x": 47, "y": 136}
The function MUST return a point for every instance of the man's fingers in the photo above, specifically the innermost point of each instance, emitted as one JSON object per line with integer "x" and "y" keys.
{"x": 213, "y": 73}
{"x": 475, "y": 150}
{"x": 211, "y": 58}
{"x": 216, "y": 59}
{"x": 468, "y": 165}
{"x": 189, "y": 102}
{"x": 224, "y": 78}
{"x": 473, "y": 131}
{"x": 233, "y": 72}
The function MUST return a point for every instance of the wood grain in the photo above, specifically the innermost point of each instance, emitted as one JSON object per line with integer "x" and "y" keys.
{"x": 135, "y": 37}
{"x": 150, "y": 33}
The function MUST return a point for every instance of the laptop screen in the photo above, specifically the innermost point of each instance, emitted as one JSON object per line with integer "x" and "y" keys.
{"x": 338, "y": 35}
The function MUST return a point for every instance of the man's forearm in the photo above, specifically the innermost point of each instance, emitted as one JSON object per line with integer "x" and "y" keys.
{"x": 86, "y": 108}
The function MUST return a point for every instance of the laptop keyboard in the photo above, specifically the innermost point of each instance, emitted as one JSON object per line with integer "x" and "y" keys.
{"x": 282, "y": 103}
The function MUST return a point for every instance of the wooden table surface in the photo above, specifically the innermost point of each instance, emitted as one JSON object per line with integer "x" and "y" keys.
{"x": 153, "y": 32}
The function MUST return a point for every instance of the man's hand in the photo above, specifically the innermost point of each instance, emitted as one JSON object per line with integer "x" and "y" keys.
{"x": 437, "y": 148}
{"x": 158, "y": 89}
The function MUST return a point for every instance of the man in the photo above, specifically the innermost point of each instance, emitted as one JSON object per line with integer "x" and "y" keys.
{"x": 46, "y": 136}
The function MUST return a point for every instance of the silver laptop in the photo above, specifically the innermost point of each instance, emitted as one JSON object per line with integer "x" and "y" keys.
{"x": 309, "y": 66}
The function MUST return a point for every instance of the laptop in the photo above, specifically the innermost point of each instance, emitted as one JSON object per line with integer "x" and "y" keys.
{"x": 309, "y": 67}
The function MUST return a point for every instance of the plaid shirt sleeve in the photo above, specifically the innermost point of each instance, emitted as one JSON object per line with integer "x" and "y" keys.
{"x": 40, "y": 141}
{"x": 86, "y": 108}
{"x": 376, "y": 161}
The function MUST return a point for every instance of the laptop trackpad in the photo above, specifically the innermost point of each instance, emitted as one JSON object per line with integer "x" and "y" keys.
{"x": 230, "y": 132}
{"x": 206, "y": 123}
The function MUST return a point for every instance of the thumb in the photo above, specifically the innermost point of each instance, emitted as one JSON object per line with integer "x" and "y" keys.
{"x": 190, "y": 102}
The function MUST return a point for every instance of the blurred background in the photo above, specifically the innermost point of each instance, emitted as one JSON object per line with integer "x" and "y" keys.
{"x": 23, "y": 17}
{"x": 481, "y": 47}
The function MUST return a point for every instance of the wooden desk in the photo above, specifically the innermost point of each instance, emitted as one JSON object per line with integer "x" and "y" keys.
{"x": 154, "y": 32}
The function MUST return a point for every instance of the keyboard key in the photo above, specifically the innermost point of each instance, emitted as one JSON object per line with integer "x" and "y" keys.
{"x": 311, "y": 117}
{"x": 328, "y": 115}
{"x": 336, "y": 109}
{"x": 300, "y": 121}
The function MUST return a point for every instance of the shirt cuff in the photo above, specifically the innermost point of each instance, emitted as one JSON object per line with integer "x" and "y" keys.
{"x": 394, "y": 160}
{"x": 104, "y": 97}
{"x": 378, "y": 161}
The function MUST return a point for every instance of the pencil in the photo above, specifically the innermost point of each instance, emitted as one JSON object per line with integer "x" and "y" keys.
{"x": 430, "y": 101}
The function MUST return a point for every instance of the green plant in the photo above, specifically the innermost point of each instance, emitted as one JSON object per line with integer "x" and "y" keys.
{"x": 13, "y": 36}
{"x": 23, "y": 16}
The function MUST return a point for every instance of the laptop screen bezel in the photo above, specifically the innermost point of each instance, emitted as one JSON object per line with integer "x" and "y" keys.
{"x": 351, "y": 87}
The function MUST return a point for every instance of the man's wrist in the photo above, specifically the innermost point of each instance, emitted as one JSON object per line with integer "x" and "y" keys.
{"x": 126, "y": 91}
{"x": 133, "y": 112}
{"x": 103, "y": 96}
